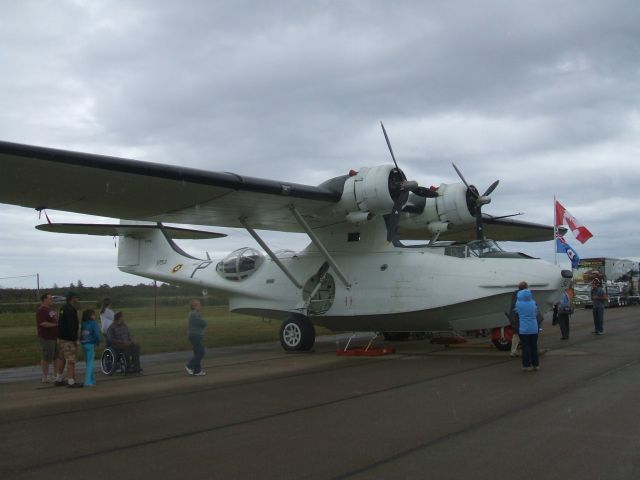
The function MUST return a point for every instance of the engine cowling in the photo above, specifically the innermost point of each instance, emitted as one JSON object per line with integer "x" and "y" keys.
{"x": 369, "y": 191}
{"x": 448, "y": 211}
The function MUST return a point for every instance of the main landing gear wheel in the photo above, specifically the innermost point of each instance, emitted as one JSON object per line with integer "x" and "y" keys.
{"x": 297, "y": 334}
{"x": 501, "y": 338}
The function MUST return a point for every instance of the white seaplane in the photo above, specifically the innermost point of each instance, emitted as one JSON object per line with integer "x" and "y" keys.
{"x": 355, "y": 274}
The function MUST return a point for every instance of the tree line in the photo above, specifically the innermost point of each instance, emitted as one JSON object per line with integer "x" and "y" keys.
{"x": 140, "y": 295}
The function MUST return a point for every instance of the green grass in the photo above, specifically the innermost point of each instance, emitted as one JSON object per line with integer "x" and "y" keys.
{"x": 19, "y": 344}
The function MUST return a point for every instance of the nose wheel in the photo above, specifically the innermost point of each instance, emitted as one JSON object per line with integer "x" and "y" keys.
{"x": 297, "y": 334}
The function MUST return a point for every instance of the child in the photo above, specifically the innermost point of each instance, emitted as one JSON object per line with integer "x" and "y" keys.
{"x": 90, "y": 338}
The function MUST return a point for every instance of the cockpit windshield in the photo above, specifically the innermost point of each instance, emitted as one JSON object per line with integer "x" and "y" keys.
{"x": 484, "y": 248}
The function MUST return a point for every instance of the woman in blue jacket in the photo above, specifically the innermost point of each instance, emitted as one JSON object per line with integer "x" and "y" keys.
{"x": 527, "y": 310}
{"x": 90, "y": 339}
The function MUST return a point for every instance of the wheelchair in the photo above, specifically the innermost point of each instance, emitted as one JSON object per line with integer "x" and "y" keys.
{"x": 113, "y": 361}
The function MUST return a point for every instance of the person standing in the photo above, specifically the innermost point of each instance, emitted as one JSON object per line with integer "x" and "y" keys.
{"x": 195, "y": 331}
{"x": 513, "y": 319}
{"x": 528, "y": 329}
{"x": 564, "y": 312}
{"x": 598, "y": 298}
{"x": 119, "y": 337}
{"x": 90, "y": 339}
{"x": 106, "y": 316}
{"x": 47, "y": 323}
{"x": 68, "y": 324}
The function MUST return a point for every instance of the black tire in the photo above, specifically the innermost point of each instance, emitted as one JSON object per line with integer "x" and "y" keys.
{"x": 108, "y": 361}
{"x": 502, "y": 344}
{"x": 297, "y": 334}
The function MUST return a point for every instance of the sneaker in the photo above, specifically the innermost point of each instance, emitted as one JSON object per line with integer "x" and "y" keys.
{"x": 201, "y": 373}
{"x": 527, "y": 369}
{"x": 536, "y": 368}
{"x": 59, "y": 383}
{"x": 189, "y": 371}
{"x": 75, "y": 385}
{"x": 514, "y": 354}
{"x": 600, "y": 333}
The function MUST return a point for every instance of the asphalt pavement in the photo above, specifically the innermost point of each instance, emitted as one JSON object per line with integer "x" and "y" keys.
{"x": 427, "y": 411}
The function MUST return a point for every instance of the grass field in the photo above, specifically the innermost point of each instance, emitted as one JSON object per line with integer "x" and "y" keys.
{"x": 19, "y": 343}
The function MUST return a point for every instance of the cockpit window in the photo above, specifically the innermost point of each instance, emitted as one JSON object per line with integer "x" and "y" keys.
{"x": 482, "y": 248}
{"x": 240, "y": 264}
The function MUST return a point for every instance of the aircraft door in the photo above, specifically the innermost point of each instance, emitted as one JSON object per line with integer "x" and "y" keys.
{"x": 319, "y": 291}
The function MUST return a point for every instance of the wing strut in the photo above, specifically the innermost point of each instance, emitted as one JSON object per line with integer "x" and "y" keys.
{"x": 277, "y": 261}
{"x": 316, "y": 241}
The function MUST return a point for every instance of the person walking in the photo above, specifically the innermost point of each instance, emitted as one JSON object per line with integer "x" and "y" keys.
{"x": 90, "y": 339}
{"x": 564, "y": 312}
{"x": 527, "y": 310}
{"x": 598, "y": 299}
{"x": 106, "y": 316}
{"x": 47, "y": 322}
{"x": 68, "y": 324}
{"x": 195, "y": 331}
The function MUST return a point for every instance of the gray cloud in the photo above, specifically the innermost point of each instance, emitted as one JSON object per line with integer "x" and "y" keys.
{"x": 541, "y": 95}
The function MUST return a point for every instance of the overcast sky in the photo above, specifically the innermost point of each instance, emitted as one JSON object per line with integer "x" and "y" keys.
{"x": 542, "y": 95}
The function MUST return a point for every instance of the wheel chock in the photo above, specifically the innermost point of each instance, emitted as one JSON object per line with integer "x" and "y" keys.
{"x": 365, "y": 352}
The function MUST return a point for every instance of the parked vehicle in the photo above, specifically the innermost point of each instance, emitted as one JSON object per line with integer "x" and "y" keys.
{"x": 616, "y": 275}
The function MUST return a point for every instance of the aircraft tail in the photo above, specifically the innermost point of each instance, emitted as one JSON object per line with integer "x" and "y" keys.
{"x": 145, "y": 248}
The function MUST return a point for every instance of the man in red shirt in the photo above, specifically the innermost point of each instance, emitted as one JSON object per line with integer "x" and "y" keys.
{"x": 47, "y": 322}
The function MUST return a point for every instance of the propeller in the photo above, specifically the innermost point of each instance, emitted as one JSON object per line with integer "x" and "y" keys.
{"x": 399, "y": 189}
{"x": 475, "y": 201}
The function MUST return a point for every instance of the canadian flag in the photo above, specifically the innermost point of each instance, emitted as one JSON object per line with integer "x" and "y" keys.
{"x": 581, "y": 232}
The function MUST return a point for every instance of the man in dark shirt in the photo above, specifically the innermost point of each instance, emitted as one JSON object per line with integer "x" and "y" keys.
{"x": 47, "y": 322}
{"x": 68, "y": 324}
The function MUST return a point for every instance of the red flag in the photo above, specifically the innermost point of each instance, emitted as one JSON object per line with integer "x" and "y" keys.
{"x": 581, "y": 232}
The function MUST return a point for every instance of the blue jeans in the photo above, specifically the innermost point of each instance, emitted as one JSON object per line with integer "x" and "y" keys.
{"x": 198, "y": 353}
{"x": 598, "y": 318}
{"x": 89, "y": 356}
{"x": 529, "y": 344}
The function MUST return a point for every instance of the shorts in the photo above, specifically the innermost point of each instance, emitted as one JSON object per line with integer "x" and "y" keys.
{"x": 49, "y": 349}
{"x": 67, "y": 349}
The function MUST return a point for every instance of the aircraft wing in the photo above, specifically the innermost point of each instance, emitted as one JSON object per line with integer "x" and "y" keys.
{"x": 495, "y": 228}
{"x": 46, "y": 178}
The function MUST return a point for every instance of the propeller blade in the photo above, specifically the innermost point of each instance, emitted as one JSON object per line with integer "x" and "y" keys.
{"x": 386, "y": 137}
{"x": 491, "y": 188}
{"x": 460, "y": 174}
{"x": 479, "y": 226}
{"x": 394, "y": 217}
{"x": 425, "y": 192}
{"x": 408, "y": 185}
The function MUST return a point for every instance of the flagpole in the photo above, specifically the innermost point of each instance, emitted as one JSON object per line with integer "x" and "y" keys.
{"x": 555, "y": 231}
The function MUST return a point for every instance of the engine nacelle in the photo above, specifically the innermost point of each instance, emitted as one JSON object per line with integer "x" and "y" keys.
{"x": 449, "y": 207}
{"x": 368, "y": 191}
{"x": 448, "y": 211}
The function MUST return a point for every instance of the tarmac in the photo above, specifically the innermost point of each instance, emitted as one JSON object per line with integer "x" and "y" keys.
{"x": 427, "y": 411}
